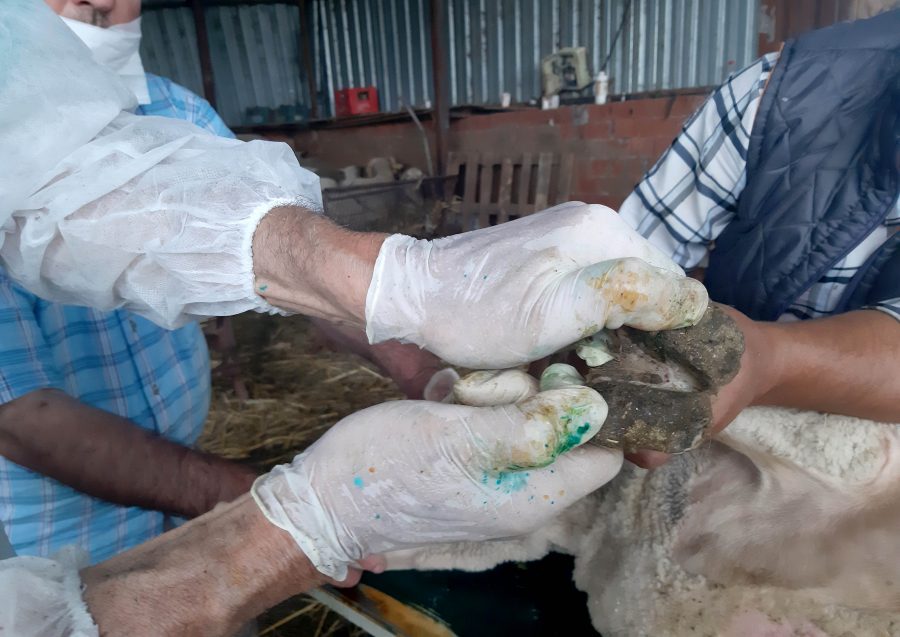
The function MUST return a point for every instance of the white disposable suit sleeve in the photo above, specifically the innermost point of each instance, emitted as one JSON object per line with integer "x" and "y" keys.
{"x": 41, "y": 597}
{"x": 105, "y": 208}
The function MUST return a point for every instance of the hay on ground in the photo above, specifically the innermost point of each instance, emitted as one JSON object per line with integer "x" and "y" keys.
{"x": 297, "y": 391}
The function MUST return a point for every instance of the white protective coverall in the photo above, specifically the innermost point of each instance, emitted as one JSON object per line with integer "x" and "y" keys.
{"x": 85, "y": 183}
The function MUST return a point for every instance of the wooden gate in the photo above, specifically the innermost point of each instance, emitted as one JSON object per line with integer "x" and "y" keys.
{"x": 497, "y": 188}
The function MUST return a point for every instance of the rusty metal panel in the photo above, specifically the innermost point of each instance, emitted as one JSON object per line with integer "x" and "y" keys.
{"x": 493, "y": 47}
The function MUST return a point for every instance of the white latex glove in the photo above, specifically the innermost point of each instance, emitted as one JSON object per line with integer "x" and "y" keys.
{"x": 492, "y": 388}
{"x": 516, "y": 292}
{"x": 41, "y": 597}
{"x": 411, "y": 473}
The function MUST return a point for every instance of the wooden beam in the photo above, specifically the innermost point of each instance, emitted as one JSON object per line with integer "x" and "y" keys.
{"x": 206, "y": 70}
{"x": 306, "y": 57}
{"x": 440, "y": 83}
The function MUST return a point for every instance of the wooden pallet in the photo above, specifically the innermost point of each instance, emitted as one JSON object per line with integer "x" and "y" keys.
{"x": 497, "y": 188}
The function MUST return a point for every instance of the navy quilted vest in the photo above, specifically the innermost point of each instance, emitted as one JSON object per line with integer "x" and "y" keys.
{"x": 822, "y": 173}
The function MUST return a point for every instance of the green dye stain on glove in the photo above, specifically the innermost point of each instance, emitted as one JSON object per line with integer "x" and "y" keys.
{"x": 505, "y": 481}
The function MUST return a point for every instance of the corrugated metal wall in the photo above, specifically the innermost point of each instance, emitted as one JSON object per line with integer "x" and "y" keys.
{"x": 255, "y": 59}
{"x": 169, "y": 46}
{"x": 494, "y": 46}
{"x": 381, "y": 43}
{"x": 254, "y": 51}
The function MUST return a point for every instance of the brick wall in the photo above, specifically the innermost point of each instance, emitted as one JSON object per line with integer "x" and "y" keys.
{"x": 613, "y": 144}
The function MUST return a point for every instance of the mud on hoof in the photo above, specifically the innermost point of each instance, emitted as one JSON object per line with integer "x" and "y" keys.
{"x": 659, "y": 385}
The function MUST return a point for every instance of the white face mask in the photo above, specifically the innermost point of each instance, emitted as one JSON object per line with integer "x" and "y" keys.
{"x": 118, "y": 48}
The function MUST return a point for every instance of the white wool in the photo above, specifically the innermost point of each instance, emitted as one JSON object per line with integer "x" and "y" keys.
{"x": 633, "y": 538}
{"x": 838, "y": 446}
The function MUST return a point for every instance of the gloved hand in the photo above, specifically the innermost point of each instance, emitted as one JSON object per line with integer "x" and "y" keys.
{"x": 513, "y": 293}
{"x": 406, "y": 474}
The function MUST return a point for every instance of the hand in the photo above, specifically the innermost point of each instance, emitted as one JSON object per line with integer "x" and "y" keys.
{"x": 234, "y": 480}
{"x": 513, "y": 293}
{"x": 408, "y": 366}
{"x": 756, "y": 377}
{"x": 207, "y": 577}
{"x": 406, "y": 474}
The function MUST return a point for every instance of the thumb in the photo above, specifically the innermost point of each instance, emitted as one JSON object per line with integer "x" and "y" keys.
{"x": 632, "y": 292}
{"x": 579, "y": 473}
{"x": 495, "y": 387}
{"x": 534, "y": 432}
{"x": 439, "y": 388}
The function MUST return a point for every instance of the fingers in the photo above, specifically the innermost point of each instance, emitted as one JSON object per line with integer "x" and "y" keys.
{"x": 534, "y": 432}
{"x": 491, "y": 388}
{"x": 352, "y": 579}
{"x": 636, "y": 294}
{"x": 648, "y": 459}
{"x": 373, "y": 563}
{"x": 560, "y": 376}
{"x": 440, "y": 386}
{"x": 590, "y": 233}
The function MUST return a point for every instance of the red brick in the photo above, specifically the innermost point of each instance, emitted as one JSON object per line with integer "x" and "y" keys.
{"x": 597, "y": 129}
{"x": 661, "y": 145}
{"x": 625, "y": 128}
{"x": 479, "y": 122}
{"x": 641, "y": 147}
{"x": 685, "y": 105}
{"x": 583, "y": 180}
{"x": 531, "y": 116}
{"x": 620, "y": 109}
{"x": 600, "y": 111}
{"x": 658, "y": 128}
{"x": 599, "y": 167}
{"x": 648, "y": 108}
{"x": 566, "y": 129}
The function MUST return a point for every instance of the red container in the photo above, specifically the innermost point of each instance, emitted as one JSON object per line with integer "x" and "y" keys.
{"x": 356, "y": 101}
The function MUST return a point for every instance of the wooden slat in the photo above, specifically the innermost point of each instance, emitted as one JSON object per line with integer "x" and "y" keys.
{"x": 468, "y": 206}
{"x": 505, "y": 191}
{"x": 542, "y": 191}
{"x": 453, "y": 162}
{"x": 380, "y": 614}
{"x": 484, "y": 196}
{"x": 564, "y": 181}
{"x": 524, "y": 184}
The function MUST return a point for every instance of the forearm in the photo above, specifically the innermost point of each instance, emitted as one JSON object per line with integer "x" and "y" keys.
{"x": 109, "y": 457}
{"x": 304, "y": 263}
{"x": 847, "y": 364}
{"x": 207, "y": 577}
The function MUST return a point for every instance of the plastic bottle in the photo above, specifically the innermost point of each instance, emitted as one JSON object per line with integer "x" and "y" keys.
{"x": 601, "y": 88}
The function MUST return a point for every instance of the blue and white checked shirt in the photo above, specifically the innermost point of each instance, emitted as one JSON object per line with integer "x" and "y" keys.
{"x": 116, "y": 361}
{"x": 688, "y": 198}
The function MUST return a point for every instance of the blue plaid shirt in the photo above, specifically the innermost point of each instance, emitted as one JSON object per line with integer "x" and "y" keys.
{"x": 115, "y": 361}
{"x": 688, "y": 198}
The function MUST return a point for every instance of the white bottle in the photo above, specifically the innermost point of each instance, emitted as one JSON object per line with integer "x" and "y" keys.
{"x": 601, "y": 88}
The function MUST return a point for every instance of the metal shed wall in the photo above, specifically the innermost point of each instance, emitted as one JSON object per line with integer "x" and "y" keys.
{"x": 494, "y": 46}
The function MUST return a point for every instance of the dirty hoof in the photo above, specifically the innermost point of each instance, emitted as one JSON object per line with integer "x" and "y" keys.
{"x": 659, "y": 385}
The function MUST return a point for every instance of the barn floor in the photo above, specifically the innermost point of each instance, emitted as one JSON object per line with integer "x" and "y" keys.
{"x": 297, "y": 391}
